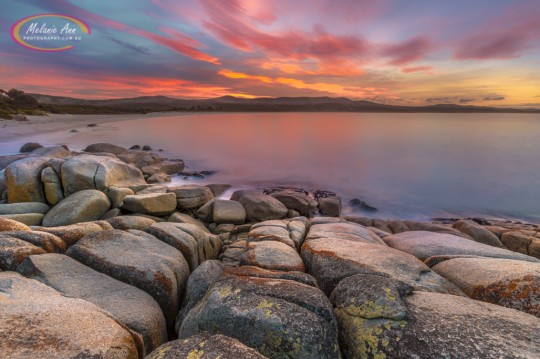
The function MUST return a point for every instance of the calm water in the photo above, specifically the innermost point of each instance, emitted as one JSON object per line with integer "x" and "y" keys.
{"x": 407, "y": 165}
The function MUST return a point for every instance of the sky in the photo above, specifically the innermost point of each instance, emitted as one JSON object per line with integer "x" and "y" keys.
{"x": 481, "y": 52}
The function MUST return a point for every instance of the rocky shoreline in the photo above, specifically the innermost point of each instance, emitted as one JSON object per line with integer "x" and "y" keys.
{"x": 101, "y": 257}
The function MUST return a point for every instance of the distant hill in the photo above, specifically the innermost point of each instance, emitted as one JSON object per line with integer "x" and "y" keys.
{"x": 230, "y": 103}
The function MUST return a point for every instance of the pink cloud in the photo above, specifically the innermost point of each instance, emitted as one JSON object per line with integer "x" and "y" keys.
{"x": 408, "y": 51}
{"x": 409, "y": 70}
{"x": 508, "y": 36}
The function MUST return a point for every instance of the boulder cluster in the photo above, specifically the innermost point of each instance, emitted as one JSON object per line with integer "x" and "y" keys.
{"x": 99, "y": 261}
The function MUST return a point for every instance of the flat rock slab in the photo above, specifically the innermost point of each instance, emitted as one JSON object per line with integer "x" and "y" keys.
{"x": 36, "y": 321}
{"x": 205, "y": 345}
{"x": 156, "y": 204}
{"x": 131, "y": 306}
{"x": 47, "y": 241}
{"x": 13, "y": 251}
{"x": 30, "y": 219}
{"x": 140, "y": 260}
{"x": 20, "y": 208}
{"x": 290, "y": 232}
{"x": 272, "y": 255}
{"x": 510, "y": 283}
{"x": 83, "y": 206}
{"x": 278, "y": 318}
{"x": 331, "y": 260}
{"x": 347, "y": 230}
{"x": 424, "y": 245}
{"x": 72, "y": 233}
{"x": 383, "y": 318}
{"x": 130, "y": 222}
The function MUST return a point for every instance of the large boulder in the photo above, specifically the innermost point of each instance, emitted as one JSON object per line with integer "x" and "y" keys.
{"x": 506, "y": 282}
{"x": 140, "y": 260}
{"x": 194, "y": 243}
{"x": 260, "y": 207}
{"x": 6, "y": 160}
{"x": 331, "y": 260}
{"x": 98, "y": 172}
{"x": 191, "y": 197}
{"x": 21, "y": 208}
{"x": 23, "y": 180}
{"x": 383, "y": 318}
{"x": 225, "y": 211}
{"x": 205, "y": 345}
{"x": 36, "y": 321}
{"x": 13, "y": 251}
{"x": 107, "y": 148}
{"x": 330, "y": 206}
{"x": 272, "y": 255}
{"x": 84, "y": 206}
{"x": 434, "y": 227}
{"x": 298, "y": 201}
{"x": 478, "y": 233}
{"x": 130, "y": 305}
{"x": 47, "y": 241}
{"x": 516, "y": 241}
{"x": 280, "y": 318}
{"x": 178, "y": 217}
{"x": 289, "y": 231}
{"x": 424, "y": 245}
{"x": 156, "y": 204}
{"x": 166, "y": 167}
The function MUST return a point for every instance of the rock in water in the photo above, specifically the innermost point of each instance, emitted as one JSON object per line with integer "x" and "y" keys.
{"x": 83, "y": 206}
{"x": 130, "y": 305}
{"x": 140, "y": 260}
{"x": 29, "y": 147}
{"x": 205, "y": 345}
{"x": 23, "y": 180}
{"x": 36, "y": 321}
{"x": 106, "y": 147}
{"x": 260, "y": 207}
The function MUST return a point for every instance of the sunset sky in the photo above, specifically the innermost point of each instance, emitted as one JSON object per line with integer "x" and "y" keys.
{"x": 414, "y": 52}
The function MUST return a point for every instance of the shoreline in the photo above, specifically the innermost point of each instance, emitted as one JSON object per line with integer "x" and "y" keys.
{"x": 12, "y": 129}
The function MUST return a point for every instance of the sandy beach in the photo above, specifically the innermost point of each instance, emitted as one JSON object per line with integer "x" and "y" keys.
{"x": 10, "y": 129}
